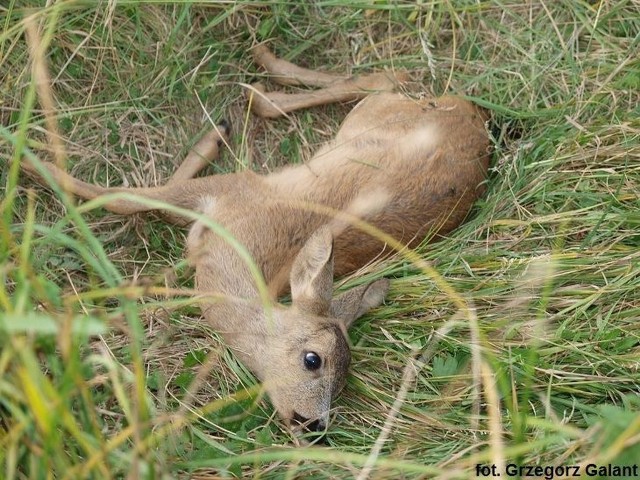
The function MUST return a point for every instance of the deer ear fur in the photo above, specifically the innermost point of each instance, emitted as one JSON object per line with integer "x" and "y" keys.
{"x": 312, "y": 274}
{"x": 354, "y": 303}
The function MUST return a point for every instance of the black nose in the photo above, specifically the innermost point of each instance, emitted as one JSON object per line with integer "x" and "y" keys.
{"x": 315, "y": 428}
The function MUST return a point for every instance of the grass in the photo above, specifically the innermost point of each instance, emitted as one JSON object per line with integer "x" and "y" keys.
{"x": 529, "y": 355}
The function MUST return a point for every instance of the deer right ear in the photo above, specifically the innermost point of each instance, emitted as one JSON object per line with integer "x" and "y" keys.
{"x": 354, "y": 303}
{"x": 312, "y": 274}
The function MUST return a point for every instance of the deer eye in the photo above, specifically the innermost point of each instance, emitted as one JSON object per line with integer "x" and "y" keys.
{"x": 312, "y": 361}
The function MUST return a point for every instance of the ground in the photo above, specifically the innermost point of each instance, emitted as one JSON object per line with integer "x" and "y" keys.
{"x": 516, "y": 341}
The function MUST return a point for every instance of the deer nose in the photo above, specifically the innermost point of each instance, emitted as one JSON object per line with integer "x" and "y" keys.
{"x": 316, "y": 427}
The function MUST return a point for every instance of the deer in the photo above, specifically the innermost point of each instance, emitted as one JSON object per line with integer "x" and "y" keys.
{"x": 408, "y": 167}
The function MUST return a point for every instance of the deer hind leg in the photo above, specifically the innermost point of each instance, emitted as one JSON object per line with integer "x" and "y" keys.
{"x": 287, "y": 73}
{"x": 181, "y": 190}
{"x": 334, "y": 88}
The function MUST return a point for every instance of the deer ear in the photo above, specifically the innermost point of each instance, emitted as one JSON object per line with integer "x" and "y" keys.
{"x": 356, "y": 302}
{"x": 312, "y": 274}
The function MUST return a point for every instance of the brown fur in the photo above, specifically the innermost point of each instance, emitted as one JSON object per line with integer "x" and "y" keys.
{"x": 409, "y": 167}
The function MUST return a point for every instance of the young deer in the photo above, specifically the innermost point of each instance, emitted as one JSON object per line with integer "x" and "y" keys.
{"x": 408, "y": 167}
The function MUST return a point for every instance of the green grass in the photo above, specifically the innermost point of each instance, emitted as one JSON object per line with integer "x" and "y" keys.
{"x": 529, "y": 354}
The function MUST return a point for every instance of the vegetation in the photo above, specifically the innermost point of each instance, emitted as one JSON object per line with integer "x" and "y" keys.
{"x": 517, "y": 342}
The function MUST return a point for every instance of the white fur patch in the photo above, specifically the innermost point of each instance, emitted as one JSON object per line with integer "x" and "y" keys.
{"x": 207, "y": 206}
{"x": 364, "y": 205}
{"x": 418, "y": 140}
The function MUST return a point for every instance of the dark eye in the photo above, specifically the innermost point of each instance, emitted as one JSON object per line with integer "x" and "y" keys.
{"x": 312, "y": 361}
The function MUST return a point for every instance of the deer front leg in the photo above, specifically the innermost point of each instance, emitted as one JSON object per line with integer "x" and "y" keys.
{"x": 202, "y": 153}
{"x": 181, "y": 190}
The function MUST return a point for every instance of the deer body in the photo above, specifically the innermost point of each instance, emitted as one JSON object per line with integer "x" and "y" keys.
{"x": 430, "y": 158}
{"x": 408, "y": 167}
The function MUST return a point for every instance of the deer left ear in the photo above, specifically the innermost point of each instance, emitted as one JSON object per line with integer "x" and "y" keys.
{"x": 312, "y": 274}
{"x": 354, "y": 303}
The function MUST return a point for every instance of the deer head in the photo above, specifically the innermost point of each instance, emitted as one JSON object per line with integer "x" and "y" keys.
{"x": 304, "y": 358}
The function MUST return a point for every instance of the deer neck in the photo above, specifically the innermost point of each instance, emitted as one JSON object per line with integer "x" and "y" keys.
{"x": 246, "y": 329}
